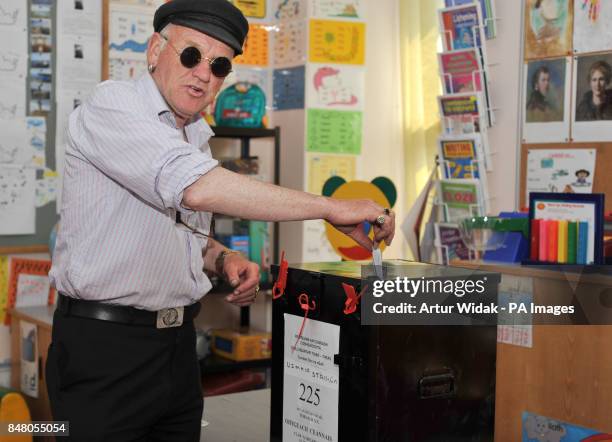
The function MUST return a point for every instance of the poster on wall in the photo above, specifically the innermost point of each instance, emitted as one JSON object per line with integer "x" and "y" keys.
{"x": 311, "y": 381}
{"x": 13, "y": 58}
{"x": 253, "y": 9}
{"x": 289, "y": 88}
{"x": 592, "y": 110}
{"x": 289, "y": 44}
{"x": 546, "y": 98}
{"x": 285, "y": 10}
{"x": 330, "y": 131}
{"x": 592, "y": 30}
{"x": 130, "y": 26}
{"x": 338, "y": 9}
{"x": 256, "y": 48}
{"x": 548, "y": 28}
{"x": 17, "y": 200}
{"x": 333, "y": 41}
{"x": 560, "y": 170}
{"x": 334, "y": 86}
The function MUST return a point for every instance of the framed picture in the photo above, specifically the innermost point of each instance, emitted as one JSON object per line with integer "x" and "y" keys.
{"x": 592, "y": 110}
{"x": 566, "y": 228}
{"x": 546, "y": 100}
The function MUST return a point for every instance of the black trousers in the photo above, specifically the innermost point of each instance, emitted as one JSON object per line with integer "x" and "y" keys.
{"x": 118, "y": 382}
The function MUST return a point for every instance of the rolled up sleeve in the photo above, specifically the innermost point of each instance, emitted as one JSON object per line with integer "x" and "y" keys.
{"x": 117, "y": 134}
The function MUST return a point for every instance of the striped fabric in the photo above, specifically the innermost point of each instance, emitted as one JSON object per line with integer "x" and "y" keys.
{"x": 127, "y": 165}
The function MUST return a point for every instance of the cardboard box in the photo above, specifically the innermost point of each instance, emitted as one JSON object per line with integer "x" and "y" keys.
{"x": 242, "y": 346}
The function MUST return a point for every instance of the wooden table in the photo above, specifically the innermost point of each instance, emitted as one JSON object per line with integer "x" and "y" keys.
{"x": 567, "y": 374}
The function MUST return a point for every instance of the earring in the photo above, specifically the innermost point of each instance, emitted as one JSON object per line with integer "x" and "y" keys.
{"x": 151, "y": 68}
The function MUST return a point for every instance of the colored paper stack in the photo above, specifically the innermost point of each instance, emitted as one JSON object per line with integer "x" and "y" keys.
{"x": 559, "y": 241}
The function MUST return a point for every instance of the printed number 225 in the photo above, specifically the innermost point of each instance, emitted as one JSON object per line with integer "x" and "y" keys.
{"x": 309, "y": 395}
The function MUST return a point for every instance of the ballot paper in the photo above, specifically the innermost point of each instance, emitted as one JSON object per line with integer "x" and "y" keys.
{"x": 377, "y": 260}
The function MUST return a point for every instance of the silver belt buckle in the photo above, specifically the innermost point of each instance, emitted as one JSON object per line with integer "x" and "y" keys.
{"x": 170, "y": 317}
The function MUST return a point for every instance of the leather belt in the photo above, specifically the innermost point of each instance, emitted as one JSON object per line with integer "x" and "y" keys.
{"x": 165, "y": 318}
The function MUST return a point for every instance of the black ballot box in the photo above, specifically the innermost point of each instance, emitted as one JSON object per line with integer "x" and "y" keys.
{"x": 335, "y": 379}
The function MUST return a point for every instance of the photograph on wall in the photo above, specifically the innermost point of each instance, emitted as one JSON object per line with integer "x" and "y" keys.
{"x": 461, "y": 27}
{"x": 487, "y": 7}
{"x": 592, "y": 110}
{"x": 546, "y": 97}
{"x": 548, "y": 28}
{"x": 592, "y": 30}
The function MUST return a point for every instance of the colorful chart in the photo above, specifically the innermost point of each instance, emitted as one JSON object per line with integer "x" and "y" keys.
{"x": 333, "y": 131}
{"x": 256, "y": 47}
{"x": 337, "y": 42}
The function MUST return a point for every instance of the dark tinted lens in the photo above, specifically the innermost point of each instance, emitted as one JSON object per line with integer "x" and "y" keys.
{"x": 221, "y": 67}
{"x": 190, "y": 57}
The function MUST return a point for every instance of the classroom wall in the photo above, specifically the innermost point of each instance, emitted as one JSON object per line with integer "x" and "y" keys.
{"x": 505, "y": 78}
{"x": 382, "y": 145}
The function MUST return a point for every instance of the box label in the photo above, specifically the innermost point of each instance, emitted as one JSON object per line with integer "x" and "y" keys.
{"x": 311, "y": 381}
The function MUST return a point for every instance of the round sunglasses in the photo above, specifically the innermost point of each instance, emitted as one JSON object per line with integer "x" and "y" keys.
{"x": 191, "y": 56}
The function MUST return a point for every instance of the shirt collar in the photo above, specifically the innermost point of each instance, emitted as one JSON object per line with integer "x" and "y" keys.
{"x": 160, "y": 106}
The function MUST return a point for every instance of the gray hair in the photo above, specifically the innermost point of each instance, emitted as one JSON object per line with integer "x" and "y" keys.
{"x": 165, "y": 32}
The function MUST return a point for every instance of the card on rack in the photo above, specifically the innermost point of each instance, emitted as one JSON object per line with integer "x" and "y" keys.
{"x": 461, "y": 199}
{"x": 461, "y": 27}
{"x": 487, "y": 7}
{"x": 449, "y": 244}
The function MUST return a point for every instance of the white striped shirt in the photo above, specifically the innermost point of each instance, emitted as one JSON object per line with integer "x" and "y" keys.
{"x": 127, "y": 165}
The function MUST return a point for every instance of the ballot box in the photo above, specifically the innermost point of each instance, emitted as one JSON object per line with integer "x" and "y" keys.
{"x": 336, "y": 379}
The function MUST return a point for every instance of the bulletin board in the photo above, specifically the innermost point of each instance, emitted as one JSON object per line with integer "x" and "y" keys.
{"x": 602, "y": 182}
{"x": 46, "y": 216}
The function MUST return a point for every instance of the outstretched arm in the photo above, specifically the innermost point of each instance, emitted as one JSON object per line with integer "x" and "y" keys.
{"x": 229, "y": 193}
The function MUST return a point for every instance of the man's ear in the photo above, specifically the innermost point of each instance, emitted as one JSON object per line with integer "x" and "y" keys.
{"x": 154, "y": 48}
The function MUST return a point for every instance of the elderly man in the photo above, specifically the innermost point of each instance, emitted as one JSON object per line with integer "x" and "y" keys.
{"x": 140, "y": 185}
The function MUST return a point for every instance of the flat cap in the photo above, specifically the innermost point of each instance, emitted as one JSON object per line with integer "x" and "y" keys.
{"x": 217, "y": 18}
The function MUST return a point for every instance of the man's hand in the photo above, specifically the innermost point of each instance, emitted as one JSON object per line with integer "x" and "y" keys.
{"x": 347, "y": 215}
{"x": 243, "y": 276}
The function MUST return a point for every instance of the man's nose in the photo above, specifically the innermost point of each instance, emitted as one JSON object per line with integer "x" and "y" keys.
{"x": 202, "y": 71}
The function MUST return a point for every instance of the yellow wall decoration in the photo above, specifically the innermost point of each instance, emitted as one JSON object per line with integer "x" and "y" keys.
{"x": 337, "y": 42}
{"x": 381, "y": 190}
{"x": 251, "y": 8}
{"x": 255, "y": 48}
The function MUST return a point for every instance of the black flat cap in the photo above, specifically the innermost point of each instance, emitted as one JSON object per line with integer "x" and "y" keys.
{"x": 216, "y": 18}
